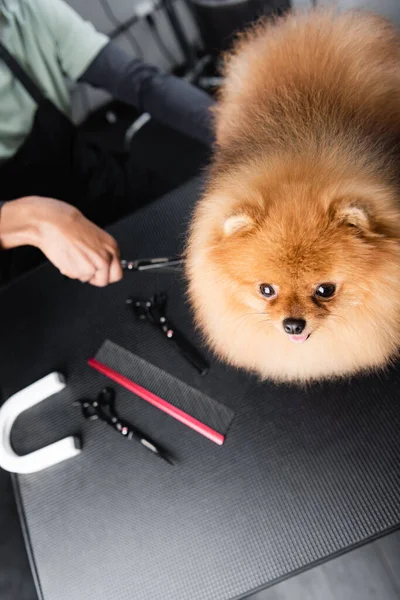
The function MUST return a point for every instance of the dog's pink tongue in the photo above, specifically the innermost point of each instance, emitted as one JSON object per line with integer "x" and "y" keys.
{"x": 298, "y": 339}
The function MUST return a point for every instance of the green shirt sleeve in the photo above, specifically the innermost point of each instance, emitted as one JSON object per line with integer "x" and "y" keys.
{"x": 76, "y": 41}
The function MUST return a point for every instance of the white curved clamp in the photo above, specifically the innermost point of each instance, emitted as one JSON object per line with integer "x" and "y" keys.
{"x": 12, "y": 408}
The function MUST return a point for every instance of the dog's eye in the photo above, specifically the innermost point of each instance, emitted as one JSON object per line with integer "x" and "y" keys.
{"x": 325, "y": 290}
{"x": 267, "y": 290}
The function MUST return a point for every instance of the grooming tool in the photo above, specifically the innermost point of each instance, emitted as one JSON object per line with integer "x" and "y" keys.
{"x": 103, "y": 408}
{"x": 158, "y": 402}
{"x": 153, "y": 310}
{"x": 145, "y": 264}
{"x": 12, "y": 409}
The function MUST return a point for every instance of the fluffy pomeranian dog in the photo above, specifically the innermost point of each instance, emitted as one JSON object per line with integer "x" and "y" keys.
{"x": 293, "y": 257}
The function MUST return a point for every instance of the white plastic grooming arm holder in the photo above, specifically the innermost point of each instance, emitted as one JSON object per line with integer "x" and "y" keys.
{"x": 16, "y": 405}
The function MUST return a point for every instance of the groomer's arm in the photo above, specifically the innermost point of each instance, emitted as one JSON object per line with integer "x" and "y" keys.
{"x": 168, "y": 99}
{"x": 77, "y": 247}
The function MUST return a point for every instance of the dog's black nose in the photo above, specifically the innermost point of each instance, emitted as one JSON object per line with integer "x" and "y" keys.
{"x": 294, "y": 326}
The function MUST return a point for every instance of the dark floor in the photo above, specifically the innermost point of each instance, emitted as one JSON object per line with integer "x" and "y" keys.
{"x": 370, "y": 572}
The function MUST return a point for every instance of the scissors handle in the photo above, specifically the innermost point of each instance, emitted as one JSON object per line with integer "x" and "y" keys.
{"x": 153, "y": 310}
{"x": 103, "y": 408}
{"x": 187, "y": 349}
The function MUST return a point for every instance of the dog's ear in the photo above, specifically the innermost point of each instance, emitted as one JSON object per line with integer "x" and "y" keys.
{"x": 240, "y": 221}
{"x": 354, "y": 214}
{"x": 365, "y": 222}
{"x": 358, "y": 209}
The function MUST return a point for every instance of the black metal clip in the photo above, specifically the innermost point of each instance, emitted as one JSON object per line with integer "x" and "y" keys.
{"x": 153, "y": 310}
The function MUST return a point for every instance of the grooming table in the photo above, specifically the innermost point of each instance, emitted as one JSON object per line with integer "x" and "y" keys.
{"x": 302, "y": 476}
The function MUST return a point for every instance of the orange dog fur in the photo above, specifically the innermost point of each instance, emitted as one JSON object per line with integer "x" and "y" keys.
{"x": 300, "y": 220}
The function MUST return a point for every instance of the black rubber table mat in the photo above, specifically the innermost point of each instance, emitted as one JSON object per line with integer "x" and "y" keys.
{"x": 303, "y": 474}
{"x": 212, "y": 413}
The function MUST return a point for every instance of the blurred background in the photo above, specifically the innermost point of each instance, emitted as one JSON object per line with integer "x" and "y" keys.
{"x": 185, "y": 37}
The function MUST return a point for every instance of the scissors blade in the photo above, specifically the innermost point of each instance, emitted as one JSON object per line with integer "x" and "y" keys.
{"x": 145, "y": 264}
{"x": 165, "y": 265}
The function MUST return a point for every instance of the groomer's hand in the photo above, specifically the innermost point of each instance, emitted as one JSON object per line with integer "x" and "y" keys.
{"x": 77, "y": 247}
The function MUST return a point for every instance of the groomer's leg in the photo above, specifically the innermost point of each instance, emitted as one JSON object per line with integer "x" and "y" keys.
{"x": 170, "y": 100}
